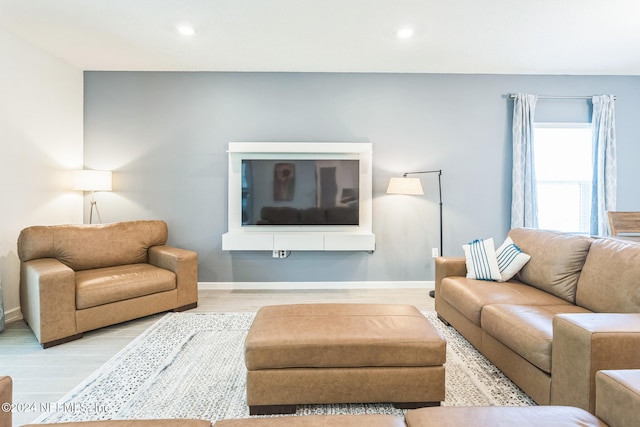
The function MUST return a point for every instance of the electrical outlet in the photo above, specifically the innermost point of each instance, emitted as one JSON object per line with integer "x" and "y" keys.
{"x": 280, "y": 253}
{"x": 434, "y": 252}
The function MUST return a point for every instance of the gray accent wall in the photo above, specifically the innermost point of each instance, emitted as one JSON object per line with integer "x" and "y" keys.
{"x": 165, "y": 137}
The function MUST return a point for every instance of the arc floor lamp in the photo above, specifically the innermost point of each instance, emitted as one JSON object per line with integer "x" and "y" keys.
{"x": 413, "y": 186}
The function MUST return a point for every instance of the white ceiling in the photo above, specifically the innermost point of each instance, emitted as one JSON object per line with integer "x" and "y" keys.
{"x": 451, "y": 36}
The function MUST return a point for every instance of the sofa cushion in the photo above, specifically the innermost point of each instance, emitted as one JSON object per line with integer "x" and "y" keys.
{"x": 106, "y": 285}
{"x": 469, "y": 296}
{"x": 85, "y": 246}
{"x": 492, "y": 416}
{"x": 610, "y": 282}
{"x": 556, "y": 260}
{"x": 168, "y": 422}
{"x": 525, "y": 329}
{"x": 368, "y": 420}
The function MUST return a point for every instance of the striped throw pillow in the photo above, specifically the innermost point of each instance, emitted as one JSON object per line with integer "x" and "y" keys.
{"x": 510, "y": 259}
{"x": 481, "y": 260}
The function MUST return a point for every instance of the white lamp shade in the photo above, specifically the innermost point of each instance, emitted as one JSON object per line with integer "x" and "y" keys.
{"x": 404, "y": 185}
{"x": 89, "y": 180}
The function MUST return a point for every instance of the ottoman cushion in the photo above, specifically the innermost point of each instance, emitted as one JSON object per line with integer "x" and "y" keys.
{"x": 342, "y": 335}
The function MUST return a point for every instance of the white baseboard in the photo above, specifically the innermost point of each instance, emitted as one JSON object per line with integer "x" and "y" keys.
{"x": 12, "y": 315}
{"x": 315, "y": 285}
{"x": 15, "y": 314}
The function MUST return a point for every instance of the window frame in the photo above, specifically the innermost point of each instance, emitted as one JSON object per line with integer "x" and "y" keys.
{"x": 585, "y": 195}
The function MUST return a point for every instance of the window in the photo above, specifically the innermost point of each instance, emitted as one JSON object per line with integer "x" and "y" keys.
{"x": 563, "y": 163}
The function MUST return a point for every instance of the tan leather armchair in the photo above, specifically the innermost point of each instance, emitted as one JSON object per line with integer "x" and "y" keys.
{"x": 76, "y": 278}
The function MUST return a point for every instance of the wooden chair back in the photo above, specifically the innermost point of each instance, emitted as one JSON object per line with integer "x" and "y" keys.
{"x": 624, "y": 222}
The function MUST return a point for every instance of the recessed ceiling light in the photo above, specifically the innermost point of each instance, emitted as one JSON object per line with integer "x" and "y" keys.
{"x": 404, "y": 33}
{"x": 186, "y": 29}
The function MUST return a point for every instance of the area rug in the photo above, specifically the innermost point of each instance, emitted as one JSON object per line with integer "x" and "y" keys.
{"x": 191, "y": 365}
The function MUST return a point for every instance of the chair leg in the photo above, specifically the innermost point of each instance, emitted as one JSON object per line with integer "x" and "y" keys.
{"x": 271, "y": 409}
{"x": 186, "y": 307}
{"x": 61, "y": 341}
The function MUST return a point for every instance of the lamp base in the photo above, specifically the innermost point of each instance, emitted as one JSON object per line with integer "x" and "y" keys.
{"x": 94, "y": 205}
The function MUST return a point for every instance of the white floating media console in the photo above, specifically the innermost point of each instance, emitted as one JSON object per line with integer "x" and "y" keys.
{"x": 299, "y": 196}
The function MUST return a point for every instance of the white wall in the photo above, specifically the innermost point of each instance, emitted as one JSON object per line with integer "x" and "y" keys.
{"x": 41, "y": 109}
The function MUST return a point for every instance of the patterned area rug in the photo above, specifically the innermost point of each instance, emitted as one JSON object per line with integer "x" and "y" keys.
{"x": 191, "y": 365}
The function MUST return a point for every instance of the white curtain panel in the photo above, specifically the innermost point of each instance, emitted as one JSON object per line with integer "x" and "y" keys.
{"x": 524, "y": 206}
{"x": 603, "y": 193}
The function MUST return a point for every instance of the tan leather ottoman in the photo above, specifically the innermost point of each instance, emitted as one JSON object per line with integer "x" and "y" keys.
{"x": 342, "y": 353}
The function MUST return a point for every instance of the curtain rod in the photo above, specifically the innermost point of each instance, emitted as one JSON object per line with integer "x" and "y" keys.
{"x": 513, "y": 95}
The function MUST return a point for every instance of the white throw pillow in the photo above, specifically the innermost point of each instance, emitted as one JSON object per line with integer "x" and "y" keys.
{"x": 510, "y": 259}
{"x": 481, "y": 260}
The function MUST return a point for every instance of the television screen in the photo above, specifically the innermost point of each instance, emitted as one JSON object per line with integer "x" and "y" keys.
{"x": 300, "y": 192}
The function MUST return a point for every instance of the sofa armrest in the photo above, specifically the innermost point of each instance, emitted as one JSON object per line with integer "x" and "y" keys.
{"x": 586, "y": 343}
{"x": 184, "y": 263}
{"x": 447, "y": 266}
{"x": 618, "y": 397}
{"x": 48, "y": 299}
{"x": 6, "y": 397}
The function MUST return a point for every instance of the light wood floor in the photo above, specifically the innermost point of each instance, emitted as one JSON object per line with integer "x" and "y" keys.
{"x": 45, "y": 376}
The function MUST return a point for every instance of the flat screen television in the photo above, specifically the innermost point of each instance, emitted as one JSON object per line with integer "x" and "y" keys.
{"x": 309, "y": 196}
{"x": 300, "y": 192}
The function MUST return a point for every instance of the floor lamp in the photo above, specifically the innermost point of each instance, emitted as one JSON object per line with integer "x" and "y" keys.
{"x": 90, "y": 180}
{"x": 413, "y": 186}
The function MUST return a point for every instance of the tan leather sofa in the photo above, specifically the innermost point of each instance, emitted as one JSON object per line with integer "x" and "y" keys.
{"x": 618, "y": 397}
{"x": 572, "y": 310}
{"x": 76, "y": 278}
{"x": 449, "y": 416}
{"x": 6, "y": 398}
{"x": 617, "y": 405}
{"x": 6, "y": 403}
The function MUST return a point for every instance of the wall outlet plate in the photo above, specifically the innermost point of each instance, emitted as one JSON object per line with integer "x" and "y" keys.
{"x": 434, "y": 252}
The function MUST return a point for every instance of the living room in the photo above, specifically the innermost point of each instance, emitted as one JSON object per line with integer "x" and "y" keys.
{"x": 164, "y": 133}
